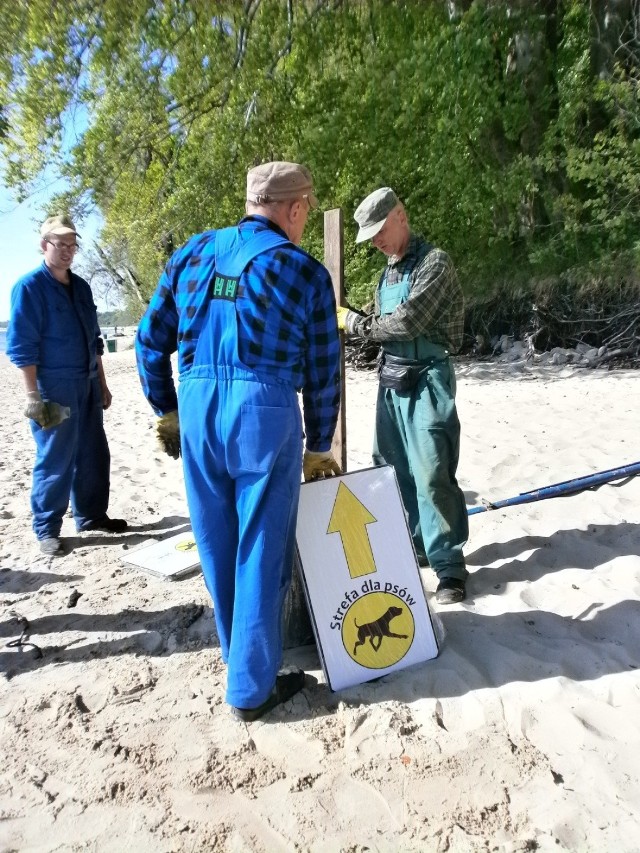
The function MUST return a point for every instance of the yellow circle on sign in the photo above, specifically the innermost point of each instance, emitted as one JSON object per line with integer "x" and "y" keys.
{"x": 187, "y": 545}
{"x": 378, "y": 630}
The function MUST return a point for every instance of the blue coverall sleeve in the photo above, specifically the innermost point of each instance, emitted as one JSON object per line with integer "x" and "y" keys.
{"x": 25, "y": 327}
{"x": 156, "y": 340}
{"x": 321, "y": 391}
{"x": 97, "y": 334}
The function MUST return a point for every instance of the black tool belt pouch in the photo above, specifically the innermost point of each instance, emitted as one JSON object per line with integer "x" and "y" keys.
{"x": 400, "y": 374}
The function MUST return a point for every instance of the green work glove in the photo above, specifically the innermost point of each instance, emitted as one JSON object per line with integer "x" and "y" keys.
{"x": 37, "y": 409}
{"x": 56, "y": 413}
{"x": 168, "y": 432}
{"x": 46, "y": 413}
{"x": 316, "y": 465}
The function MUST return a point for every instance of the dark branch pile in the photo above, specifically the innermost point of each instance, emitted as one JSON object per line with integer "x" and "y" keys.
{"x": 360, "y": 354}
{"x": 598, "y": 318}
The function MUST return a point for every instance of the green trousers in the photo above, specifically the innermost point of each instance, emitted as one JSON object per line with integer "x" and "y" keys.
{"x": 418, "y": 432}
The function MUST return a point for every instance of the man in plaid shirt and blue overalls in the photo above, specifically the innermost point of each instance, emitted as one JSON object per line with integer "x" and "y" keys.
{"x": 419, "y": 321}
{"x": 253, "y": 319}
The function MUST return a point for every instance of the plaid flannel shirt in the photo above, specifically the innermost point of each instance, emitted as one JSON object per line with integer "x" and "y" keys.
{"x": 435, "y": 307}
{"x": 284, "y": 283}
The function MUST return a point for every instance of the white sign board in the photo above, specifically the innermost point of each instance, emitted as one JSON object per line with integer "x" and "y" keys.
{"x": 170, "y": 558}
{"x": 361, "y": 577}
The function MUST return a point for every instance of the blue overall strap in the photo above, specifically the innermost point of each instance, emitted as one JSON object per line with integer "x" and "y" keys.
{"x": 234, "y": 254}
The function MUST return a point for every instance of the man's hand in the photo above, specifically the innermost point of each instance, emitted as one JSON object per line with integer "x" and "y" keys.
{"x": 315, "y": 465}
{"x": 168, "y": 432}
{"x": 36, "y": 409}
{"x": 106, "y": 396}
{"x": 342, "y": 317}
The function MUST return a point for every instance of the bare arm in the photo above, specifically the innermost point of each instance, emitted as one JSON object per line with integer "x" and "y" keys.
{"x": 106, "y": 394}
{"x": 29, "y": 378}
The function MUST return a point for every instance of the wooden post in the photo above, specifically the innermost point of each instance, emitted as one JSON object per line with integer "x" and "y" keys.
{"x": 334, "y": 262}
{"x": 297, "y": 630}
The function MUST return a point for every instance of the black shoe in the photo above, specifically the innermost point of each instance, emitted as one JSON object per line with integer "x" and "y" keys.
{"x": 287, "y": 685}
{"x": 51, "y": 546}
{"x": 451, "y": 591}
{"x": 109, "y": 525}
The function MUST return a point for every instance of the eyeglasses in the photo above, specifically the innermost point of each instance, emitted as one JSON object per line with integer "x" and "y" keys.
{"x": 59, "y": 246}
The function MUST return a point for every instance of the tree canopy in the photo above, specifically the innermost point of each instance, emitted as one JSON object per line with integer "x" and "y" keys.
{"x": 511, "y": 130}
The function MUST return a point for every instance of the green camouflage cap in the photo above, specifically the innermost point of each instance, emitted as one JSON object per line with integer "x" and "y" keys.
{"x": 372, "y": 213}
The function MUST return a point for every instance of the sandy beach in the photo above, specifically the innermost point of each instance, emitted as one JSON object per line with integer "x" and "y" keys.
{"x": 523, "y": 734}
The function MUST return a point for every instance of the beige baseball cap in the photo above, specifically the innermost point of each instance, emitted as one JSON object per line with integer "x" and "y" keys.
{"x": 371, "y": 214}
{"x": 280, "y": 181}
{"x": 59, "y": 225}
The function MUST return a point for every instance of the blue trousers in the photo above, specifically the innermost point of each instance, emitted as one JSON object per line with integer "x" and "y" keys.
{"x": 418, "y": 432}
{"x": 242, "y": 455}
{"x": 72, "y": 459}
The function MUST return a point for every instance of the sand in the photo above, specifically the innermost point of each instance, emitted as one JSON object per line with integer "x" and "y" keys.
{"x": 523, "y": 734}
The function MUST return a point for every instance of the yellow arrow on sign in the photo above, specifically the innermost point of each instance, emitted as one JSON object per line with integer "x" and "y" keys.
{"x": 349, "y": 518}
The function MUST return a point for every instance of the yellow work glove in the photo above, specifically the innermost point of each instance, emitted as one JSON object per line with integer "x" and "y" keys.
{"x": 168, "y": 432}
{"x": 342, "y": 316}
{"x": 316, "y": 465}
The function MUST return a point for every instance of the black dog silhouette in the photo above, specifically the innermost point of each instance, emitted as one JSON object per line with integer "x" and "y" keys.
{"x": 378, "y": 629}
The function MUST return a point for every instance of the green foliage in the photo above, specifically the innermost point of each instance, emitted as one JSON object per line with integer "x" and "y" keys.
{"x": 512, "y": 147}
{"x": 121, "y": 317}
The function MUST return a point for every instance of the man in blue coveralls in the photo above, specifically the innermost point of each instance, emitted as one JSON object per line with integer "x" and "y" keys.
{"x": 418, "y": 320}
{"x": 54, "y": 338}
{"x": 253, "y": 319}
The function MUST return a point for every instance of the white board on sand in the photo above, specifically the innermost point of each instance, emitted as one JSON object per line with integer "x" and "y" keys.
{"x": 361, "y": 577}
{"x": 169, "y": 559}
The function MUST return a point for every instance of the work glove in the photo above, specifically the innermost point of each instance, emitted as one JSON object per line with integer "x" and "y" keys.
{"x": 45, "y": 413}
{"x": 36, "y": 409}
{"x": 316, "y": 465}
{"x": 347, "y": 318}
{"x": 168, "y": 432}
{"x": 342, "y": 317}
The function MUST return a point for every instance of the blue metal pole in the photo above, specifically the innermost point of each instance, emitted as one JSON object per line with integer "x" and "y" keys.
{"x": 568, "y": 487}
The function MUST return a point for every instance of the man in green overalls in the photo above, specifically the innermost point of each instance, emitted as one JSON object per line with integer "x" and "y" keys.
{"x": 418, "y": 320}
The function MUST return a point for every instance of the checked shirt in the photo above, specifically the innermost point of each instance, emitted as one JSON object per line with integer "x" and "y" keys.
{"x": 434, "y": 309}
{"x": 286, "y": 317}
